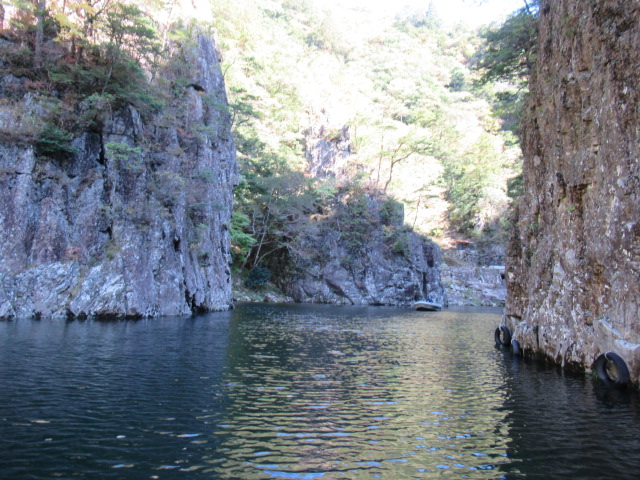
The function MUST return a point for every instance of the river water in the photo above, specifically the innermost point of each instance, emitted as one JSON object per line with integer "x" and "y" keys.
{"x": 300, "y": 392}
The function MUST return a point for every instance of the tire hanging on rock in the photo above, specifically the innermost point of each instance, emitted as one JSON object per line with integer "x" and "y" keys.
{"x": 612, "y": 369}
{"x": 502, "y": 336}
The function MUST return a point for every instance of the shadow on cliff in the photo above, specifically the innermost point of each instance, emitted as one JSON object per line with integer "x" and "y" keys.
{"x": 356, "y": 250}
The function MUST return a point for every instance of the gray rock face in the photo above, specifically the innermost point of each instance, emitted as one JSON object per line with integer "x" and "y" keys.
{"x": 573, "y": 261}
{"x": 376, "y": 272}
{"x": 473, "y": 285}
{"x": 474, "y": 275}
{"x": 133, "y": 224}
{"x": 328, "y": 157}
{"x": 360, "y": 254}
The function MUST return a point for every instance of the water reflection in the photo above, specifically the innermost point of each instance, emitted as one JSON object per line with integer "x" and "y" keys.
{"x": 359, "y": 392}
{"x": 299, "y": 392}
{"x": 107, "y": 400}
{"x": 566, "y": 426}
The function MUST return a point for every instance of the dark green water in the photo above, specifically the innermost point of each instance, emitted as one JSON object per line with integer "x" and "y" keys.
{"x": 302, "y": 392}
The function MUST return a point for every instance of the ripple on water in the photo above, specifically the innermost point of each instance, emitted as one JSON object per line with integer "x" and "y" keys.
{"x": 298, "y": 392}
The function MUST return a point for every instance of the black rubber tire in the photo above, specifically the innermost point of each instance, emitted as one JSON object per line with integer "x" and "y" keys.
{"x": 506, "y": 336}
{"x": 618, "y": 375}
{"x": 502, "y": 336}
{"x": 515, "y": 347}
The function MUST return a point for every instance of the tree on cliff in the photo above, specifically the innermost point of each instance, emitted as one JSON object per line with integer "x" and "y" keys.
{"x": 511, "y": 48}
{"x": 40, "y": 15}
{"x": 399, "y": 151}
{"x": 84, "y": 56}
{"x": 130, "y": 33}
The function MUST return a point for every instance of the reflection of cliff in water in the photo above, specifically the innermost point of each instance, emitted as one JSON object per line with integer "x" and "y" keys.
{"x": 546, "y": 441}
{"x": 270, "y": 391}
{"x": 294, "y": 381}
{"x": 357, "y": 391}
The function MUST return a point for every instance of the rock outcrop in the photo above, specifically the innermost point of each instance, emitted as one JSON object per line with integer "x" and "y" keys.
{"x": 474, "y": 286}
{"x": 328, "y": 156}
{"x": 365, "y": 265}
{"x": 474, "y": 275}
{"x": 135, "y": 222}
{"x": 573, "y": 265}
{"x": 360, "y": 252}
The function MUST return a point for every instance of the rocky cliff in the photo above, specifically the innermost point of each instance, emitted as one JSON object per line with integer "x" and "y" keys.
{"x": 358, "y": 252}
{"x": 375, "y": 261}
{"x": 135, "y": 221}
{"x": 573, "y": 265}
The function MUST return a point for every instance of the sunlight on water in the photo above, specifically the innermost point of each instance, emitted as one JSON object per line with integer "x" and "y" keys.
{"x": 299, "y": 392}
{"x": 376, "y": 393}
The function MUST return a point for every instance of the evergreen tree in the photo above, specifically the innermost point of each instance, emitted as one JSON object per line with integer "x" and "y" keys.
{"x": 511, "y": 48}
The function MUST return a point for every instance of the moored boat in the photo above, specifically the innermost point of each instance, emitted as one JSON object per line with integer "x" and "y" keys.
{"x": 427, "y": 305}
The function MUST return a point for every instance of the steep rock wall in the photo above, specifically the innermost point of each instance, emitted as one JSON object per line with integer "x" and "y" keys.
{"x": 365, "y": 267}
{"x": 573, "y": 265}
{"x": 133, "y": 224}
{"x": 360, "y": 252}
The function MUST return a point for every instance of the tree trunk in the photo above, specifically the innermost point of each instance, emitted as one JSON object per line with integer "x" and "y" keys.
{"x": 40, "y": 14}
{"x": 415, "y": 219}
{"x": 380, "y": 156}
{"x": 386, "y": 185}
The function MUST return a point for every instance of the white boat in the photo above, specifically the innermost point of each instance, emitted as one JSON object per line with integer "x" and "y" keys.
{"x": 427, "y": 305}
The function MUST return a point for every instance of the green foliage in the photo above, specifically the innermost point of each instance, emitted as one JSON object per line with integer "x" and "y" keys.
{"x": 126, "y": 155}
{"x": 408, "y": 95}
{"x": 515, "y": 186}
{"x": 128, "y": 85}
{"x": 423, "y": 19}
{"x": 325, "y": 192}
{"x": 325, "y": 36}
{"x": 243, "y": 109}
{"x": 508, "y": 106}
{"x": 466, "y": 179}
{"x": 511, "y": 48}
{"x": 397, "y": 239}
{"x": 130, "y": 29}
{"x": 303, "y": 6}
{"x": 94, "y": 110}
{"x": 131, "y": 38}
{"x": 54, "y": 142}
{"x": 93, "y": 68}
{"x": 354, "y": 220}
{"x": 458, "y": 80}
{"x": 392, "y": 212}
{"x": 401, "y": 244}
{"x": 258, "y": 277}
{"x": 241, "y": 242}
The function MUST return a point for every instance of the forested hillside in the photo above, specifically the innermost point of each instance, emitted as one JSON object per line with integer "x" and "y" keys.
{"x": 341, "y": 123}
{"x": 406, "y": 100}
